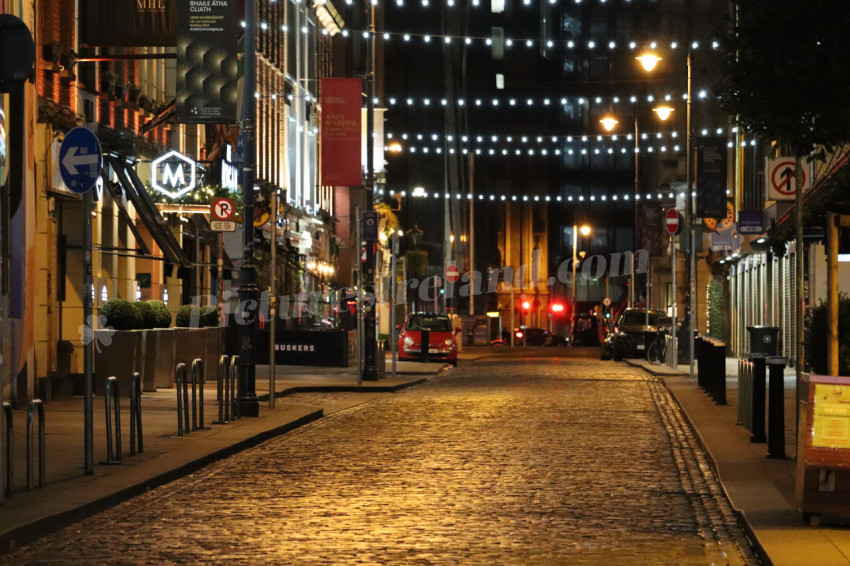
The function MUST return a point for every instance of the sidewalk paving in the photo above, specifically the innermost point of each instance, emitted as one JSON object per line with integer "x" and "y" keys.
{"x": 761, "y": 489}
{"x": 70, "y": 495}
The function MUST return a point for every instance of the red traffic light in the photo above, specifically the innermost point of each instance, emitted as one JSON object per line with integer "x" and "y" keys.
{"x": 526, "y": 305}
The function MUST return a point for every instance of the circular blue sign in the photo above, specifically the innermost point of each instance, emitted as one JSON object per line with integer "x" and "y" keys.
{"x": 80, "y": 160}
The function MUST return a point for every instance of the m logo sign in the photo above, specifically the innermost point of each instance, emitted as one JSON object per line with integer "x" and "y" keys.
{"x": 173, "y": 174}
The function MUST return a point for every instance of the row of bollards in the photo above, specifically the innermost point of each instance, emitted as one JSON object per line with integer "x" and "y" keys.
{"x": 711, "y": 369}
{"x": 756, "y": 394}
{"x": 113, "y": 427}
{"x": 228, "y": 403}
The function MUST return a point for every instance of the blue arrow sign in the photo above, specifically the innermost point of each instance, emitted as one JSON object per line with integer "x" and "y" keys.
{"x": 80, "y": 160}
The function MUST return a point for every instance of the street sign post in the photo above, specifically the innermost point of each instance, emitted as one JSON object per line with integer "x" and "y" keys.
{"x": 80, "y": 163}
{"x": 780, "y": 178}
{"x": 222, "y": 210}
{"x": 673, "y": 221}
{"x": 452, "y": 273}
{"x": 80, "y": 160}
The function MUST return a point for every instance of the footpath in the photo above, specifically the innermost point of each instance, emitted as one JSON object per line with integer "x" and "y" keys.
{"x": 69, "y": 494}
{"x": 761, "y": 489}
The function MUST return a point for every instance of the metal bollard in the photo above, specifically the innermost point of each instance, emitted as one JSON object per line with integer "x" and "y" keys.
{"x": 222, "y": 386}
{"x": 235, "y": 388}
{"x": 34, "y": 405}
{"x": 136, "y": 444}
{"x": 10, "y": 429}
{"x": 776, "y": 418}
{"x": 198, "y": 396}
{"x": 719, "y": 373}
{"x": 111, "y": 401}
{"x": 182, "y": 400}
{"x": 758, "y": 398}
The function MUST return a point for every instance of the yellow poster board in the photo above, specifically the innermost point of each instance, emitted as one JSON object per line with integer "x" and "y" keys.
{"x": 831, "y": 416}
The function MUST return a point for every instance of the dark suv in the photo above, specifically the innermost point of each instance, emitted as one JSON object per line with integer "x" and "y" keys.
{"x": 628, "y": 337}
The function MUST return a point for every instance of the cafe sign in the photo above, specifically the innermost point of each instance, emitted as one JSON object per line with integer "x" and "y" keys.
{"x": 174, "y": 174}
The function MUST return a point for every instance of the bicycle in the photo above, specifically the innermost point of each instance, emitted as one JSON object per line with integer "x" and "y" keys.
{"x": 656, "y": 353}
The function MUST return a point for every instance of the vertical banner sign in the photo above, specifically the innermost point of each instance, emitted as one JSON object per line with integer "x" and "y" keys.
{"x": 341, "y": 127}
{"x": 207, "y": 71}
{"x": 711, "y": 177}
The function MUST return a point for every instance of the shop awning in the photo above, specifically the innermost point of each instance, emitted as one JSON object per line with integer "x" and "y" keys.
{"x": 113, "y": 189}
{"x": 147, "y": 211}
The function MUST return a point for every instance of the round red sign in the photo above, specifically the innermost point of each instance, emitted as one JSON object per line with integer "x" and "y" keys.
{"x": 673, "y": 221}
{"x": 452, "y": 273}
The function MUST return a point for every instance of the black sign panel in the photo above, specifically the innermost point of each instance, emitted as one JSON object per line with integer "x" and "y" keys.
{"x": 207, "y": 70}
{"x": 711, "y": 177}
{"x": 370, "y": 226}
{"x": 128, "y": 23}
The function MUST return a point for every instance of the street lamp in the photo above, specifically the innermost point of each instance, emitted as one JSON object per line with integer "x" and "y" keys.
{"x": 648, "y": 62}
{"x": 585, "y": 231}
{"x": 609, "y": 123}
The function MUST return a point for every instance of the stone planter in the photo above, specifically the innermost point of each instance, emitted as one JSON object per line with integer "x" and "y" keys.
{"x": 215, "y": 348}
{"x": 120, "y": 358}
{"x": 189, "y": 344}
{"x": 164, "y": 363}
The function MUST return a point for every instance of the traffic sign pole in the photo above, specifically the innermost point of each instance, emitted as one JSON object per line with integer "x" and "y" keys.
{"x": 80, "y": 163}
{"x": 88, "y": 338}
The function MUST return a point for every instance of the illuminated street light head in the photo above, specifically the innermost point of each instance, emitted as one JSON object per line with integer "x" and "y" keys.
{"x": 663, "y": 112}
{"x": 648, "y": 61}
{"x": 585, "y": 230}
{"x": 609, "y": 123}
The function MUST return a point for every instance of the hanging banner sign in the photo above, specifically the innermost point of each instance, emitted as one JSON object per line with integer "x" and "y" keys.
{"x": 711, "y": 177}
{"x": 341, "y": 125}
{"x": 207, "y": 71}
{"x": 127, "y": 23}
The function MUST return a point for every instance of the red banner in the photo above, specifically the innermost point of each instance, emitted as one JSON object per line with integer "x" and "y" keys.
{"x": 341, "y": 131}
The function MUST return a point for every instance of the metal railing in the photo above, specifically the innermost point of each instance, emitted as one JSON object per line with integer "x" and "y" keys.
{"x": 10, "y": 429}
{"x": 35, "y": 405}
{"x": 136, "y": 444}
{"x": 236, "y": 410}
{"x": 223, "y": 388}
{"x": 198, "y": 396}
{"x": 112, "y": 404}
{"x": 182, "y": 399}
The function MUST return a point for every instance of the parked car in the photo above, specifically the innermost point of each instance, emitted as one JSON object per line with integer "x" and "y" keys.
{"x": 525, "y": 336}
{"x": 627, "y": 340}
{"x": 428, "y": 337}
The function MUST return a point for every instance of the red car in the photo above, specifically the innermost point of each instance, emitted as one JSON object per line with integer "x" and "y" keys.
{"x": 435, "y": 330}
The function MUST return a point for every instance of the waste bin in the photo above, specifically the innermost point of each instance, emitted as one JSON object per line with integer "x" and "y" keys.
{"x": 764, "y": 340}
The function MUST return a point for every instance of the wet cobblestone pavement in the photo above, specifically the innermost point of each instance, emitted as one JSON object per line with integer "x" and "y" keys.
{"x": 536, "y": 461}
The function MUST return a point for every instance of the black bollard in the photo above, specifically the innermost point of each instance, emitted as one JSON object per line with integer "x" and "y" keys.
{"x": 776, "y": 417}
{"x": 719, "y": 373}
{"x": 758, "y": 399}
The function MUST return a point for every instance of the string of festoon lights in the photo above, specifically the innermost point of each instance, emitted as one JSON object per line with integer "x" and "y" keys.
{"x": 430, "y": 39}
{"x": 506, "y": 42}
{"x": 496, "y": 101}
{"x": 422, "y": 193}
{"x": 660, "y": 142}
{"x": 512, "y": 101}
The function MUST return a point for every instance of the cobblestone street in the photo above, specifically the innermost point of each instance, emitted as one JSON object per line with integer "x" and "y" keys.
{"x": 502, "y": 461}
